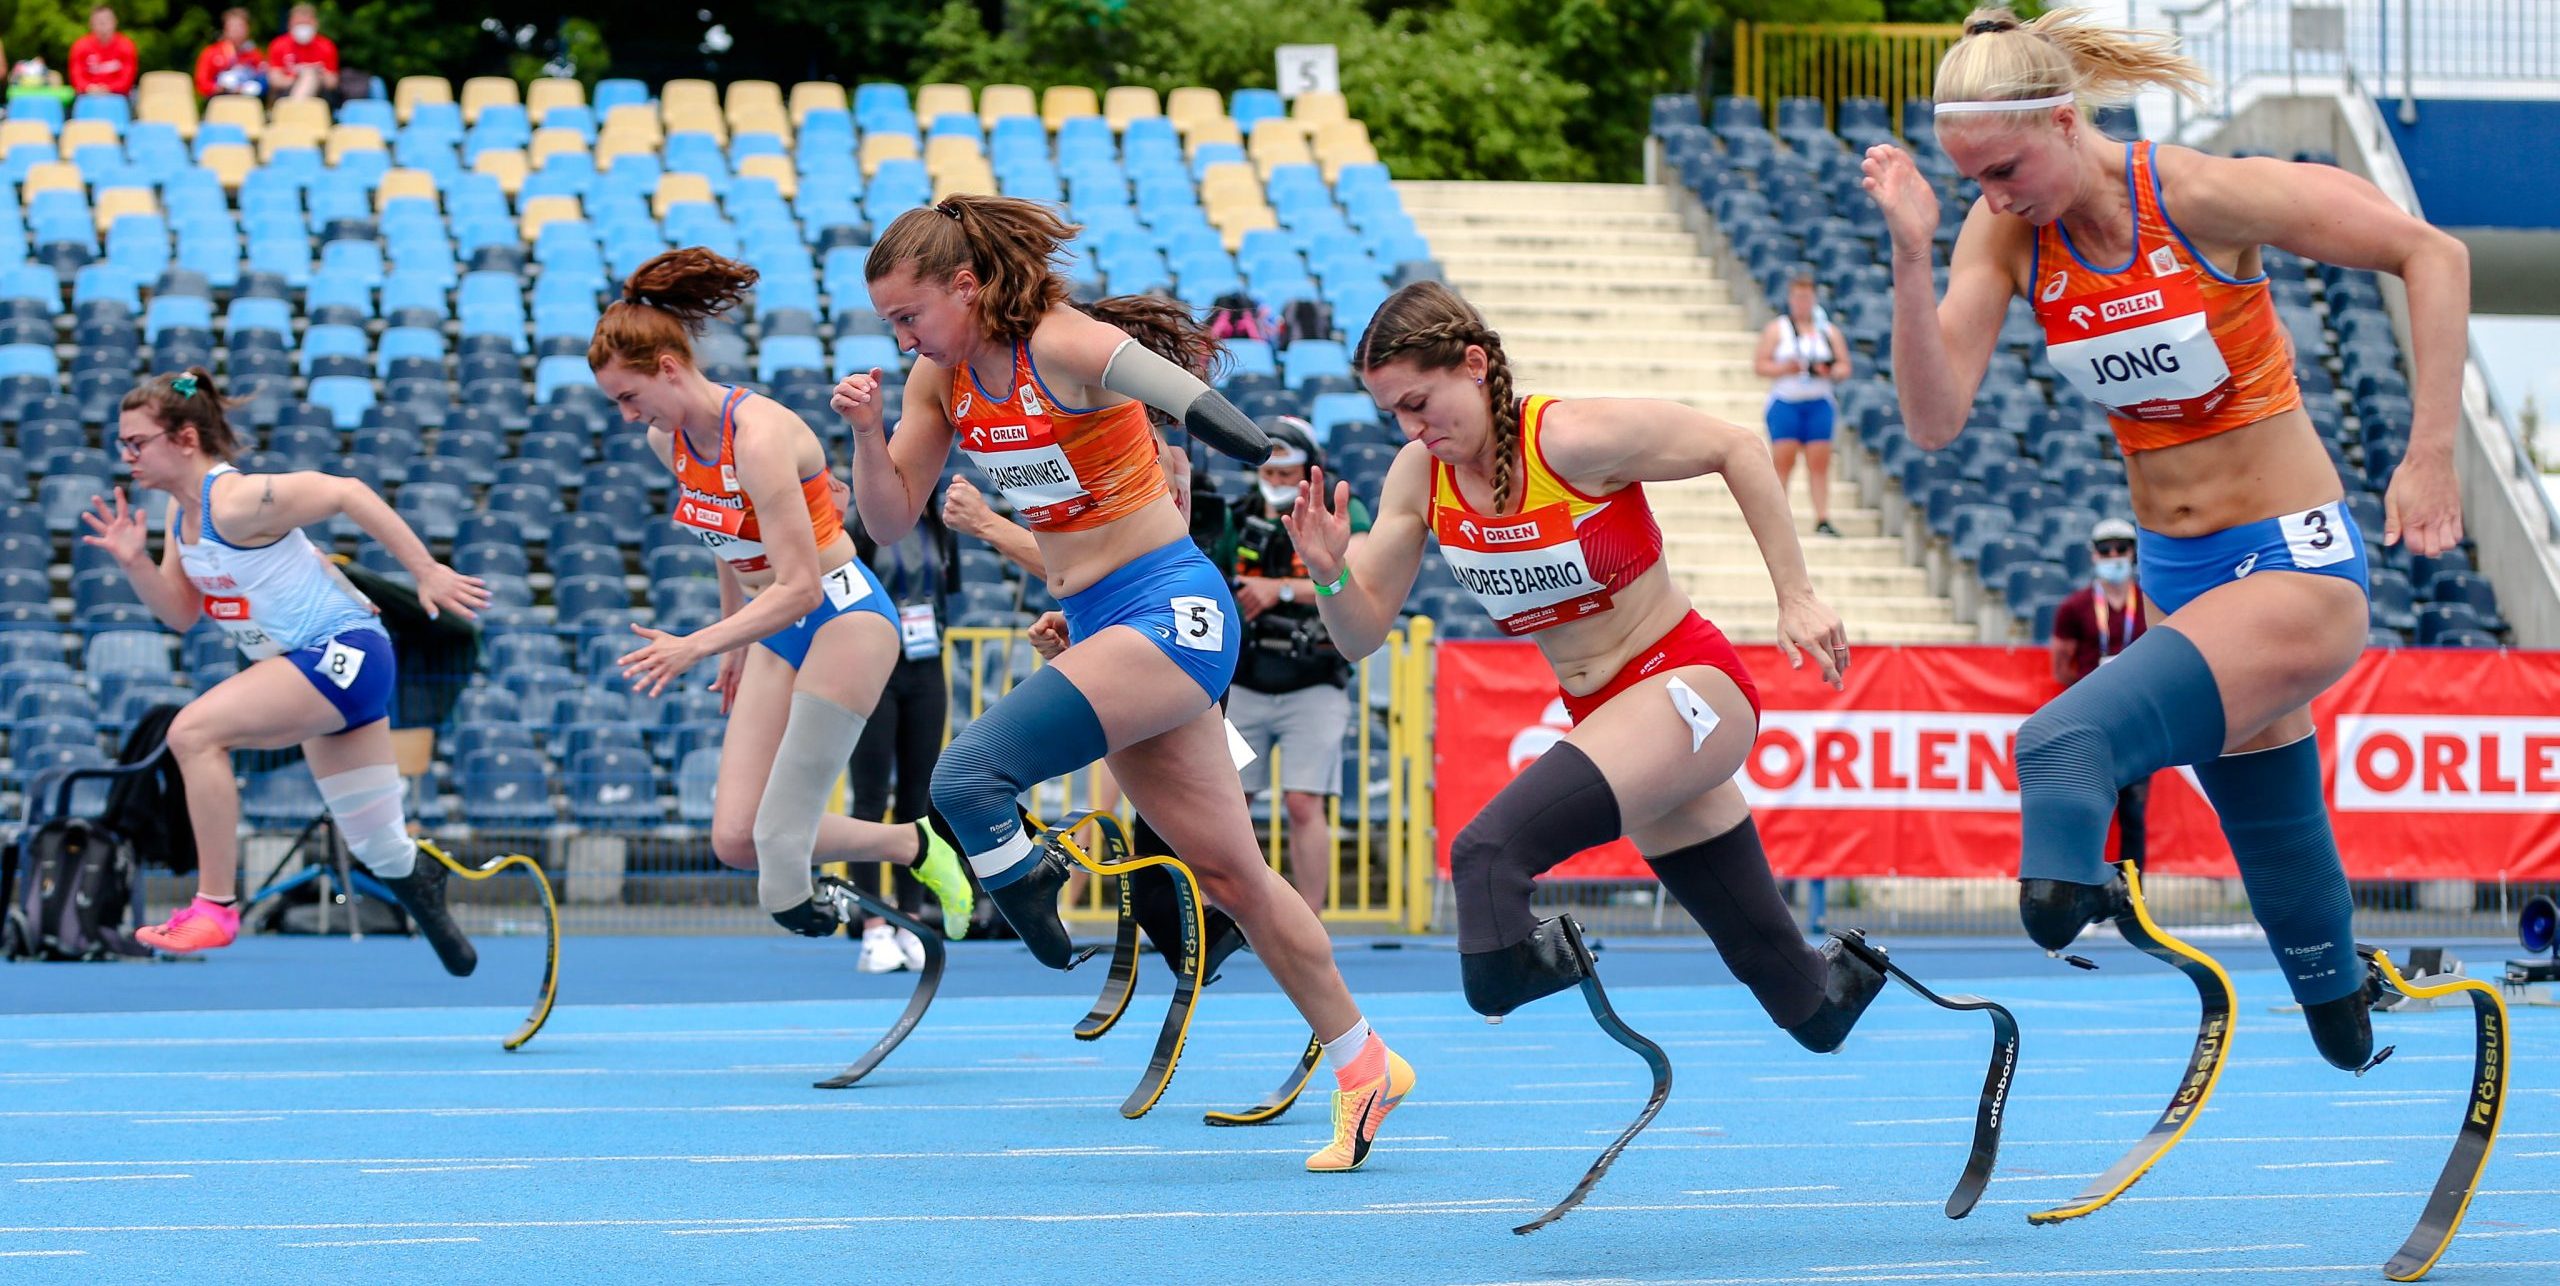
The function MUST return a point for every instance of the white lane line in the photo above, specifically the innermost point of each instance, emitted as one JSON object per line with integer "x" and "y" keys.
{"x": 439, "y": 1169}
{"x": 205, "y": 1120}
{"x": 2317, "y": 1165}
{"x": 1980, "y": 1275}
{"x": 1571, "y": 1085}
{"x": 378, "y": 1241}
{"x": 2231, "y": 1250}
{"x": 1924, "y": 1263}
{"x": 38, "y": 1254}
{"x": 1449, "y": 1204}
{"x": 108, "y": 1178}
{"x": 1921, "y": 1120}
{"x": 2391, "y": 1102}
{"x": 1836, "y": 1076}
{"x": 2042, "y": 1178}
{"x": 2522, "y": 1232}
{"x": 1753, "y": 1192}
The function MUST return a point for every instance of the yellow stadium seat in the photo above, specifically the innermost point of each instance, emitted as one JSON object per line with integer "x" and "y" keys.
{"x": 1192, "y": 104}
{"x": 636, "y": 120}
{"x": 1356, "y": 152}
{"x": 1060, "y": 102}
{"x": 546, "y": 209}
{"x": 115, "y": 203}
{"x": 549, "y": 92}
{"x": 164, "y": 82}
{"x": 237, "y": 109}
{"x": 761, "y": 120}
{"x": 77, "y": 135}
{"x": 696, "y": 118}
{"x": 482, "y": 92}
{"x": 752, "y": 96}
{"x": 296, "y": 139}
{"x": 506, "y": 165}
{"x": 1229, "y": 180}
{"x": 881, "y": 147}
{"x": 403, "y": 183}
{"x": 14, "y": 132}
{"x": 352, "y": 138}
{"x": 939, "y": 100}
{"x": 690, "y": 97}
{"x": 765, "y": 165}
{"x": 610, "y": 145}
{"x": 1277, "y": 142}
{"x": 548, "y": 143}
{"x": 413, "y": 90}
{"x": 817, "y": 95}
{"x": 230, "y": 162}
{"x": 1234, "y": 222}
{"x": 1210, "y": 129}
{"x": 974, "y": 179}
{"x": 1315, "y": 107}
{"x": 53, "y": 176}
{"x": 178, "y": 113}
{"x": 1341, "y": 133}
{"x": 996, "y": 102}
{"x": 676, "y": 186}
{"x": 944, "y": 151}
{"x": 1126, "y": 103}
{"x": 310, "y": 115}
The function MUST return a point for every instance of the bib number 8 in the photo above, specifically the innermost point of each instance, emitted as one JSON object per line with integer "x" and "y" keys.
{"x": 1199, "y": 623}
{"x": 339, "y": 664}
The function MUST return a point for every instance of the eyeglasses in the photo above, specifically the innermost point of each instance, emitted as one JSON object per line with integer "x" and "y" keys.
{"x": 2113, "y": 546}
{"x": 132, "y": 447}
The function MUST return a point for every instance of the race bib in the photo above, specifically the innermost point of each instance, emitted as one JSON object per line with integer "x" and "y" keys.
{"x": 339, "y": 664}
{"x": 845, "y": 587}
{"x": 1199, "y": 623}
{"x": 918, "y": 632}
{"x": 2318, "y": 537}
{"x": 1027, "y": 464}
{"x": 1527, "y": 569}
{"x": 722, "y": 530}
{"x": 232, "y": 615}
{"x": 2143, "y": 349}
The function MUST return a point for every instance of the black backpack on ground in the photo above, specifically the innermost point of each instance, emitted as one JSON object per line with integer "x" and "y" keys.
{"x": 75, "y": 887}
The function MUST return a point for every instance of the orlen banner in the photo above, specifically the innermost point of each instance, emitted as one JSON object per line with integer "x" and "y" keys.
{"x": 2440, "y": 764}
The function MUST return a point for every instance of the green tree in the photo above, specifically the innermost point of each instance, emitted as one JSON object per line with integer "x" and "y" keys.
{"x": 45, "y": 29}
{"x": 1446, "y": 96}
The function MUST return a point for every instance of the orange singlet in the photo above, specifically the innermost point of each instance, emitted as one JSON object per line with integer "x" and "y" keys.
{"x": 1061, "y": 469}
{"x": 2175, "y": 350}
{"x": 712, "y": 508}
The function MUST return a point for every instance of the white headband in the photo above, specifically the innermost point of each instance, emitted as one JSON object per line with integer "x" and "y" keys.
{"x": 2006, "y": 105}
{"x": 1284, "y": 454}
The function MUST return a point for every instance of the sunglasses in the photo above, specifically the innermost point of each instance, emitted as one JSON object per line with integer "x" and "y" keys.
{"x": 2113, "y": 546}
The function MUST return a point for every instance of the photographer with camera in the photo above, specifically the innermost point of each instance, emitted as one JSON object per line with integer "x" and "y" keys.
{"x": 1291, "y": 684}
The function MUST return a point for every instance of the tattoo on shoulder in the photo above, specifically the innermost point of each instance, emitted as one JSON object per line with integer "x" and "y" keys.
{"x": 268, "y": 497}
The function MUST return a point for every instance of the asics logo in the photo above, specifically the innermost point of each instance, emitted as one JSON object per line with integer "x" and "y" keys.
{"x": 2246, "y": 566}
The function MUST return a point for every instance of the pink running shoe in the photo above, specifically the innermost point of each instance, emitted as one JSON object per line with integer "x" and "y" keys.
{"x": 198, "y": 926}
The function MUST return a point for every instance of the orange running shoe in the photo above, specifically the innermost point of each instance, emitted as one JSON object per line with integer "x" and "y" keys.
{"x": 200, "y": 925}
{"x": 1358, "y": 1112}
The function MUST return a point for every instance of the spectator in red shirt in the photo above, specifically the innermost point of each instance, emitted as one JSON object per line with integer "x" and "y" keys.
{"x": 303, "y": 63}
{"x": 2089, "y": 628}
{"x": 233, "y": 64}
{"x": 103, "y": 62}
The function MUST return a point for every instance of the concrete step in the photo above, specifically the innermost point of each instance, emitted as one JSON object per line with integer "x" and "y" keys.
{"x": 1632, "y": 372}
{"x": 1529, "y": 310}
{"x": 1738, "y": 407}
{"x": 1837, "y": 585}
{"x": 1581, "y": 264}
{"x": 1541, "y": 237}
{"x": 1576, "y": 343}
{"x": 1687, "y": 548}
{"x": 1867, "y": 618}
{"x": 1432, "y": 195}
{"x": 1489, "y": 291}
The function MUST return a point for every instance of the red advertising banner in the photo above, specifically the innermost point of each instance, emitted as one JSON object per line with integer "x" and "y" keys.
{"x": 2440, "y": 764}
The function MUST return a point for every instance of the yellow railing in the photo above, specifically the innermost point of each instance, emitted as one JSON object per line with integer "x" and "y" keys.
{"x": 1382, "y": 829}
{"x": 1891, "y": 61}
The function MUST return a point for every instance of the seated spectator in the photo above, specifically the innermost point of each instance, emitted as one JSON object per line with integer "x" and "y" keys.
{"x": 104, "y": 62}
{"x": 32, "y": 79}
{"x": 232, "y": 64}
{"x": 302, "y": 63}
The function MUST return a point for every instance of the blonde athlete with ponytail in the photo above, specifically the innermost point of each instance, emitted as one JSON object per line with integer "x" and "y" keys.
{"x": 2142, "y": 263}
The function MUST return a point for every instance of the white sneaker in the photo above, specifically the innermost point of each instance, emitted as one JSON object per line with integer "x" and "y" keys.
{"x": 911, "y": 947}
{"x": 880, "y": 952}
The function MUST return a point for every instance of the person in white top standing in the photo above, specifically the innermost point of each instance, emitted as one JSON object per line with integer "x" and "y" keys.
{"x": 320, "y": 673}
{"x": 1803, "y": 356}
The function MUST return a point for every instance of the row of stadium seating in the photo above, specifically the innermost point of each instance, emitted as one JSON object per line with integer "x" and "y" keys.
{"x": 2017, "y": 493}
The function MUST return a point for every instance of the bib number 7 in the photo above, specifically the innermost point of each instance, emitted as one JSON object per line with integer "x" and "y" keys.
{"x": 1199, "y": 623}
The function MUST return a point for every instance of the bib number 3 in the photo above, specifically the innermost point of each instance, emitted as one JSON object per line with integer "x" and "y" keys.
{"x": 339, "y": 664}
{"x": 1199, "y": 623}
{"x": 2318, "y": 537}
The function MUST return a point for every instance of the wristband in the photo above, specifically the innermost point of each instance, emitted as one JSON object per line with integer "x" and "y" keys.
{"x": 1340, "y": 580}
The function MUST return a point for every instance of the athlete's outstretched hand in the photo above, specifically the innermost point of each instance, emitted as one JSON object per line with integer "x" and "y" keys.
{"x": 1049, "y": 635}
{"x": 1321, "y": 531}
{"x": 1806, "y": 624}
{"x": 119, "y": 530}
{"x": 1903, "y": 193}
{"x": 733, "y": 666}
{"x": 443, "y": 587}
{"x": 2423, "y": 505}
{"x": 858, "y": 398}
{"x": 664, "y": 660}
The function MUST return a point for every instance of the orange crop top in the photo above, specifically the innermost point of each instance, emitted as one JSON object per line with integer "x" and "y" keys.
{"x": 1061, "y": 469}
{"x": 2175, "y": 350}
{"x": 709, "y": 504}
{"x": 1561, "y": 557}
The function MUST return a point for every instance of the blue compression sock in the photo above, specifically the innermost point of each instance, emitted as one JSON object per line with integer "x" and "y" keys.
{"x": 2156, "y": 705}
{"x": 2278, "y": 824}
{"x": 1044, "y": 728}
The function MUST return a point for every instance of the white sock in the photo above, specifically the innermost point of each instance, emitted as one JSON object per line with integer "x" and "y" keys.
{"x": 1003, "y": 857}
{"x": 1339, "y": 1051}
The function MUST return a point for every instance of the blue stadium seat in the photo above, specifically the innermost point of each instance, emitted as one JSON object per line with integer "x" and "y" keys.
{"x": 613, "y": 787}
{"x": 346, "y": 397}
{"x": 1314, "y": 358}
{"x": 696, "y": 774}
{"x": 505, "y": 788}
{"x": 555, "y": 373}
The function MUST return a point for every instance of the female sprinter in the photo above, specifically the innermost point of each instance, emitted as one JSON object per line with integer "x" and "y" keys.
{"x": 824, "y": 633}
{"x": 2142, "y": 264}
{"x": 1052, "y": 405}
{"x": 1804, "y": 358}
{"x": 1539, "y": 505}
{"x": 320, "y": 672}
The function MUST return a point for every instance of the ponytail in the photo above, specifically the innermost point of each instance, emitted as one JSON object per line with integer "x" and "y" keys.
{"x": 189, "y": 399}
{"x": 664, "y": 305}
{"x": 1011, "y": 245}
{"x": 2064, "y": 52}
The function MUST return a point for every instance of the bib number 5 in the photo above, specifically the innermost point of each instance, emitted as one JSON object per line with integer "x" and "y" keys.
{"x": 1199, "y": 623}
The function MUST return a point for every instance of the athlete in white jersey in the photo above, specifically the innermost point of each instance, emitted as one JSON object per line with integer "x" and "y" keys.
{"x": 320, "y": 672}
